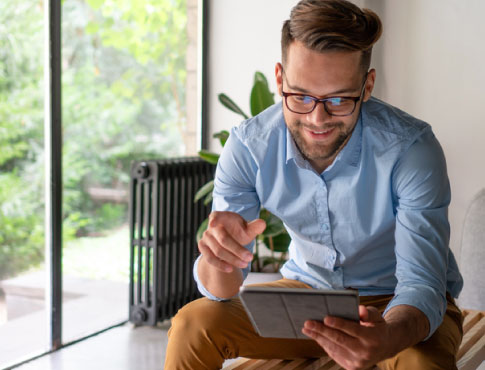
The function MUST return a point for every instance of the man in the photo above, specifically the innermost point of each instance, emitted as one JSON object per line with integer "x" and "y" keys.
{"x": 363, "y": 191}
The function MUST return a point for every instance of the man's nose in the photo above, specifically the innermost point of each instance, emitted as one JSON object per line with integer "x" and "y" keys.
{"x": 319, "y": 115}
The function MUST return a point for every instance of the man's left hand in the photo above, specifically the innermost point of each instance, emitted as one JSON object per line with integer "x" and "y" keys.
{"x": 353, "y": 345}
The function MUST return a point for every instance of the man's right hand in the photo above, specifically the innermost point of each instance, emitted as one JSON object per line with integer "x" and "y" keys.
{"x": 222, "y": 244}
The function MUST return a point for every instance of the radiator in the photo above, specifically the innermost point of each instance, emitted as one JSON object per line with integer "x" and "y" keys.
{"x": 163, "y": 225}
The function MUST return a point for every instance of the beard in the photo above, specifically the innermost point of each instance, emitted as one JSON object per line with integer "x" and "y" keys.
{"x": 319, "y": 151}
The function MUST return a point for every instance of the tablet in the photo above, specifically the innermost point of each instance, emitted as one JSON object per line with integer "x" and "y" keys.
{"x": 281, "y": 312}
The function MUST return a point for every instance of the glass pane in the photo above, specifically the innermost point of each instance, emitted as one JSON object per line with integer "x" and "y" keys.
{"x": 125, "y": 69}
{"x": 23, "y": 329}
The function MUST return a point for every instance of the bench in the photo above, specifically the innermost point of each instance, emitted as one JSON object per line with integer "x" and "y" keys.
{"x": 470, "y": 355}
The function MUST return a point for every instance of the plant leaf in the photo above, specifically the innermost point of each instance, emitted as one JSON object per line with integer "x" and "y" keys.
{"x": 229, "y": 104}
{"x": 203, "y": 227}
{"x": 222, "y": 136}
{"x": 281, "y": 242}
{"x": 209, "y": 156}
{"x": 258, "y": 76}
{"x": 261, "y": 97}
{"x": 204, "y": 190}
{"x": 208, "y": 199}
{"x": 274, "y": 226}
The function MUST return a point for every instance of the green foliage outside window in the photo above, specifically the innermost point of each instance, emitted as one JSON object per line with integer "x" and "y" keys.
{"x": 123, "y": 99}
{"x": 21, "y": 137}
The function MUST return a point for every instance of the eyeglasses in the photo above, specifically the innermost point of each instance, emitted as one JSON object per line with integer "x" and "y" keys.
{"x": 334, "y": 106}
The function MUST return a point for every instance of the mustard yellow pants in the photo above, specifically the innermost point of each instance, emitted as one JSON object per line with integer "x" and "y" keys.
{"x": 204, "y": 333}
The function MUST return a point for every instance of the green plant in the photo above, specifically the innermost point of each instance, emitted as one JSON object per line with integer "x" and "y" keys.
{"x": 275, "y": 237}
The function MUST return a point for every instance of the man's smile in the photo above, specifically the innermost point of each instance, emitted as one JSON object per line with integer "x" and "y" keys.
{"x": 319, "y": 134}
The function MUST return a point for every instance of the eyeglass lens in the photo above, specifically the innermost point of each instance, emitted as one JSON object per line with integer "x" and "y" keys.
{"x": 334, "y": 106}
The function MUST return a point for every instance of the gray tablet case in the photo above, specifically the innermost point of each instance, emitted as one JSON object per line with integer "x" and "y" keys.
{"x": 281, "y": 312}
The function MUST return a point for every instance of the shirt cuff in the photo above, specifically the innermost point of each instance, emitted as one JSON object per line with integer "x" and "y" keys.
{"x": 425, "y": 299}
{"x": 201, "y": 287}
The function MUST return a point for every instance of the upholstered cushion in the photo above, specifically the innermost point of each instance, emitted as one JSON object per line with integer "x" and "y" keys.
{"x": 472, "y": 255}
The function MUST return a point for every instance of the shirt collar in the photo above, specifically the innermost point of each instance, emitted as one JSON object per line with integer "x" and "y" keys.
{"x": 292, "y": 151}
{"x": 350, "y": 154}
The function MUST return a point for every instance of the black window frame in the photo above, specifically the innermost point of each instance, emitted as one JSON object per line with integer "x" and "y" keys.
{"x": 53, "y": 149}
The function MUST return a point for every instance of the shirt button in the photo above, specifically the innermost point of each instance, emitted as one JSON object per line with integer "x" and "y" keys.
{"x": 326, "y": 227}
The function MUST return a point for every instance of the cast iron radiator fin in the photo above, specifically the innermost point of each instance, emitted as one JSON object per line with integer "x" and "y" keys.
{"x": 163, "y": 226}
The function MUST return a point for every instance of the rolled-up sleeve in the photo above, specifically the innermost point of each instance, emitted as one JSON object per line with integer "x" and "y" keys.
{"x": 234, "y": 191}
{"x": 422, "y": 195}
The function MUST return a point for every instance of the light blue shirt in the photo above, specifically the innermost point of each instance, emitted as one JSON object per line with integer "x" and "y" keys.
{"x": 375, "y": 220}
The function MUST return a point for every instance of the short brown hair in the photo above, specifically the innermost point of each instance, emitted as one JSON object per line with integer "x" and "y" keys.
{"x": 332, "y": 25}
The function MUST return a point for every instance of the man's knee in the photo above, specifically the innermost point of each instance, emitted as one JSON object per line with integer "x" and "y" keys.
{"x": 198, "y": 317}
{"x": 194, "y": 339}
{"x": 418, "y": 358}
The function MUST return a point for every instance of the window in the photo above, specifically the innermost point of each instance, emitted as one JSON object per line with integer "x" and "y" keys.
{"x": 129, "y": 92}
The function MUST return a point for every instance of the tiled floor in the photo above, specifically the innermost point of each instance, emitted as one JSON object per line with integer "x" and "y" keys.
{"x": 88, "y": 306}
{"x": 120, "y": 348}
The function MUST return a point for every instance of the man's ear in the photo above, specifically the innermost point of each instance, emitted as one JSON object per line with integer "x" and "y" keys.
{"x": 369, "y": 84}
{"x": 279, "y": 77}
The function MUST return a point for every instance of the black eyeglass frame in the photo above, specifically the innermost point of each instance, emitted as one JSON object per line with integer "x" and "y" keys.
{"x": 315, "y": 100}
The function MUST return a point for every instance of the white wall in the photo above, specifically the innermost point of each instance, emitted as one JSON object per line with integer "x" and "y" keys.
{"x": 430, "y": 62}
{"x": 243, "y": 38}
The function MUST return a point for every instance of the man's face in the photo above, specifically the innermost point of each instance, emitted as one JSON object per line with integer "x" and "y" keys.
{"x": 318, "y": 135}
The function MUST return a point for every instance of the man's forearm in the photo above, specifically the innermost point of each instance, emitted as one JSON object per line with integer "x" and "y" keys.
{"x": 407, "y": 325}
{"x": 220, "y": 284}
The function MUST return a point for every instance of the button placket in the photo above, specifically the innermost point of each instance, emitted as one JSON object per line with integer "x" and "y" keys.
{"x": 323, "y": 220}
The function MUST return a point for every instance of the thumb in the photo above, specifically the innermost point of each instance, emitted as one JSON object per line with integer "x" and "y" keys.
{"x": 255, "y": 228}
{"x": 369, "y": 314}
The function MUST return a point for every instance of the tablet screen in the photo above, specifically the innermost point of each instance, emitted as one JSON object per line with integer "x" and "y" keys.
{"x": 281, "y": 312}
